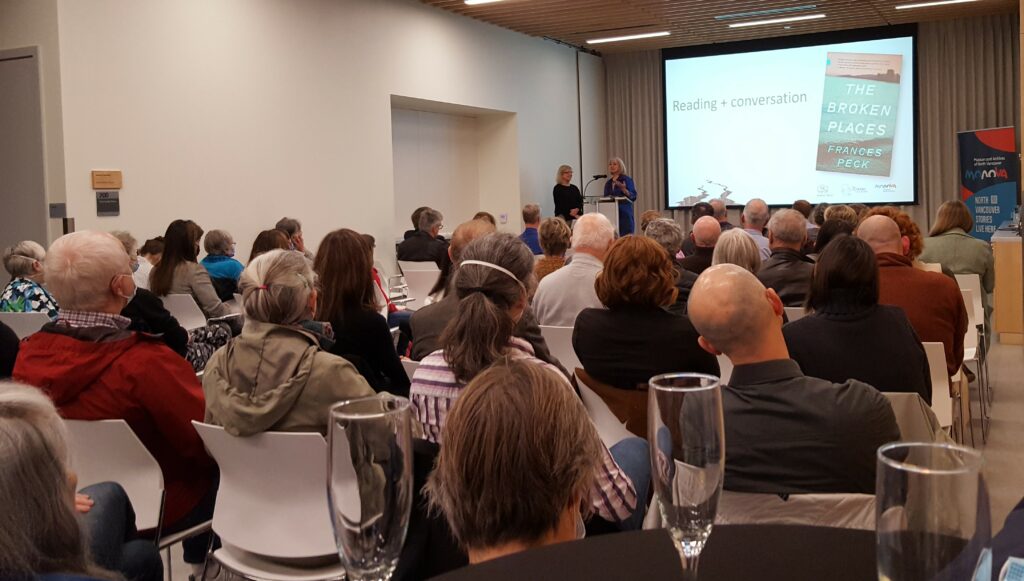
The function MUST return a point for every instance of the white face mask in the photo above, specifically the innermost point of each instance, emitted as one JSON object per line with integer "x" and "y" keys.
{"x": 581, "y": 528}
{"x": 135, "y": 289}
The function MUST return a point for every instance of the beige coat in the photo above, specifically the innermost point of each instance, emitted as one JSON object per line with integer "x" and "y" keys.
{"x": 276, "y": 378}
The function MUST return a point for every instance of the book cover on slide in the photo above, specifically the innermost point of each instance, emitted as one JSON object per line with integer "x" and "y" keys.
{"x": 858, "y": 113}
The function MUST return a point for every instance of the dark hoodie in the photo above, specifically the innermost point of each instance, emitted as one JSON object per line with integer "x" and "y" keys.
{"x": 100, "y": 373}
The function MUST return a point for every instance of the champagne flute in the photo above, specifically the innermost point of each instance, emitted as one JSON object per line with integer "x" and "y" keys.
{"x": 370, "y": 482}
{"x": 931, "y": 514}
{"x": 686, "y": 433}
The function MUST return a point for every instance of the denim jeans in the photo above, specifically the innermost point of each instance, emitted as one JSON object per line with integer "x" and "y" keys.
{"x": 634, "y": 458}
{"x": 110, "y": 529}
{"x": 400, "y": 319}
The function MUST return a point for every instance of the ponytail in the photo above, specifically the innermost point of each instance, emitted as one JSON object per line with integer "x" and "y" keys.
{"x": 477, "y": 336}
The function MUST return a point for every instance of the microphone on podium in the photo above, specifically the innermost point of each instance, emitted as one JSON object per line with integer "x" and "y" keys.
{"x": 599, "y": 176}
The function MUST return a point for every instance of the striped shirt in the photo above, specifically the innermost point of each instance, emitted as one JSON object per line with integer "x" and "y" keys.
{"x": 435, "y": 389}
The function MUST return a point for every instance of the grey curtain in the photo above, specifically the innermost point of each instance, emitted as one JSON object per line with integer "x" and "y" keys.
{"x": 969, "y": 78}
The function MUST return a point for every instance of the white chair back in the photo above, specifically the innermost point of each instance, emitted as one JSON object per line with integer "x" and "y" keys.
{"x": 942, "y": 402}
{"x": 109, "y": 451}
{"x": 794, "y": 313}
{"x": 847, "y": 511}
{"x": 408, "y": 266}
{"x": 725, "y": 369}
{"x": 917, "y": 422}
{"x": 24, "y": 324}
{"x": 932, "y": 267}
{"x": 972, "y": 282}
{"x": 609, "y": 428}
{"x": 184, "y": 308}
{"x": 420, "y": 282}
{"x": 559, "y": 340}
{"x": 971, "y": 336}
{"x": 272, "y": 499}
{"x": 410, "y": 366}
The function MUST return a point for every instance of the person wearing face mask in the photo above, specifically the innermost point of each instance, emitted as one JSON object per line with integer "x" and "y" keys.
{"x": 274, "y": 375}
{"x": 94, "y": 368}
{"x": 493, "y": 283}
{"x": 221, "y": 264}
{"x": 25, "y": 293}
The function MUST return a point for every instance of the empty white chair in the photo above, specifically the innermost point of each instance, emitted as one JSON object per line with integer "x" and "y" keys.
{"x": 559, "y": 340}
{"x": 972, "y": 352}
{"x": 408, "y": 266}
{"x": 931, "y": 267}
{"x": 185, "y": 309}
{"x": 420, "y": 282}
{"x": 410, "y": 366}
{"x": 266, "y": 514}
{"x": 725, "y": 369}
{"x": 24, "y": 324}
{"x": 794, "y": 313}
{"x": 942, "y": 402}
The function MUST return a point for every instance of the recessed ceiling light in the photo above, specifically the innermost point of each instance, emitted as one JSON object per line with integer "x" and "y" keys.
{"x": 776, "y": 20}
{"x": 927, "y": 4}
{"x": 474, "y": 2}
{"x": 627, "y": 37}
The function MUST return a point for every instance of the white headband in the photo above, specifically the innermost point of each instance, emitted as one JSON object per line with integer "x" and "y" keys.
{"x": 493, "y": 267}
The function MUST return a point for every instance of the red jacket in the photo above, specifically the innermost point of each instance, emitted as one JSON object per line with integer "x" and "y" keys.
{"x": 101, "y": 373}
{"x": 932, "y": 301}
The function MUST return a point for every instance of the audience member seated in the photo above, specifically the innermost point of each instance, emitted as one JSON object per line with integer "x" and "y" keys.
{"x": 424, "y": 245}
{"x": 911, "y": 231}
{"x": 722, "y": 214}
{"x": 150, "y": 253}
{"x": 950, "y": 244}
{"x": 805, "y": 208}
{"x": 788, "y": 271}
{"x": 861, "y": 211}
{"x": 429, "y": 322}
{"x": 493, "y": 284}
{"x": 669, "y": 234}
{"x": 486, "y": 217}
{"x": 8, "y": 350}
{"x": 554, "y": 241}
{"x": 843, "y": 213}
{"x": 647, "y": 217}
{"x": 220, "y": 263}
{"x": 148, "y": 315}
{"x": 179, "y": 273}
{"x": 40, "y": 534}
{"x": 635, "y": 338}
{"x": 268, "y": 240}
{"x": 396, "y": 316}
{"x": 704, "y": 236}
{"x": 753, "y": 220}
{"x": 698, "y": 211}
{"x": 93, "y": 368}
{"x": 570, "y": 289}
{"x": 829, "y": 230}
{"x": 531, "y": 223}
{"x": 274, "y": 376}
{"x": 415, "y": 222}
{"x": 932, "y": 301}
{"x": 25, "y": 293}
{"x": 505, "y": 480}
{"x": 785, "y": 433}
{"x": 344, "y": 264}
{"x": 849, "y": 335}
{"x": 732, "y": 248}
{"x": 293, "y": 230}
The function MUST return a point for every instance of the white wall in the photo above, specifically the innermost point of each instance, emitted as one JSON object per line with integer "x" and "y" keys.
{"x": 26, "y": 23}
{"x": 237, "y": 112}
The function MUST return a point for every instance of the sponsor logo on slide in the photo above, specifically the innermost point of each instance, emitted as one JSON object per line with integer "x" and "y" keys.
{"x": 858, "y": 113}
{"x": 886, "y": 188}
{"x": 848, "y": 189}
{"x": 822, "y": 188}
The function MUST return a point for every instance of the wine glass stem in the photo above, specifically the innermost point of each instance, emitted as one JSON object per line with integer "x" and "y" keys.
{"x": 690, "y": 568}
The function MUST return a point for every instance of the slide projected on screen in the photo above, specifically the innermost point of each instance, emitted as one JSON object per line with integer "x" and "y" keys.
{"x": 826, "y": 123}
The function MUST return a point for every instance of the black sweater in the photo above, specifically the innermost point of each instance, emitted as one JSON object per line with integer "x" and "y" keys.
{"x": 567, "y": 198}
{"x": 366, "y": 334}
{"x": 8, "y": 351}
{"x": 875, "y": 345}
{"x": 148, "y": 315}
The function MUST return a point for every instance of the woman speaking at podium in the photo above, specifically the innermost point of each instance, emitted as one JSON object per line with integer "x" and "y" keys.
{"x": 568, "y": 200}
{"x": 620, "y": 185}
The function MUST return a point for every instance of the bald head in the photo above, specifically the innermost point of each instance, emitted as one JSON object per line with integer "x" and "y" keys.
{"x": 721, "y": 211}
{"x": 706, "y": 232}
{"x": 736, "y": 315}
{"x": 882, "y": 234}
{"x": 755, "y": 214}
{"x": 466, "y": 233}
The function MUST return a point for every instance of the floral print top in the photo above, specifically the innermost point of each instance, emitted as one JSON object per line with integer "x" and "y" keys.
{"x": 23, "y": 295}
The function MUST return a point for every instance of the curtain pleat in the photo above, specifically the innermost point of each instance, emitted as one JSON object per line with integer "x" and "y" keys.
{"x": 968, "y": 78}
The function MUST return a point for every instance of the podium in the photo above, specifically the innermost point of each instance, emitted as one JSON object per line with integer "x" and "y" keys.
{"x": 609, "y": 206}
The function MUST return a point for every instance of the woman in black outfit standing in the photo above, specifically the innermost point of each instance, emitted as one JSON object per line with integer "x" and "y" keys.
{"x": 344, "y": 264}
{"x": 568, "y": 199}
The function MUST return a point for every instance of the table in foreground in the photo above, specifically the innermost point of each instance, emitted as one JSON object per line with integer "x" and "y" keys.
{"x": 734, "y": 552}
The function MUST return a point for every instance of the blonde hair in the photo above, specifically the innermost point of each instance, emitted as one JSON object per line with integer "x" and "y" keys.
{"x": 276, "y": 287}
{"x": 518, "y": 449}
{"x": 554, "y": 236}
{"x": 622, "y": 165}
{"x": 561, "y": 169}
{"x": 18, "y": 259}
{"x": 737, "y": 247}
{"x": 842, "y": 212}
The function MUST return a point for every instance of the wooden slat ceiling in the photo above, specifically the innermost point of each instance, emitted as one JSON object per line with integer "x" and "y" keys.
{"x": 692, "y": 22}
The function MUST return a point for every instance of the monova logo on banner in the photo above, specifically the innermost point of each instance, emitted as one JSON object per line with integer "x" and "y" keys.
{"x": 978, "y": 175}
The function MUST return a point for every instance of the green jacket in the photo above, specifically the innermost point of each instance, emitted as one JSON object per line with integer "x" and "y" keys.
{"x": 963, "y": 254}
{"x": 275, "y": 377}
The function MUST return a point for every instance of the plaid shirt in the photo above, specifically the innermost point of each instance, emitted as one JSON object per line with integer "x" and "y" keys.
{"x": 77, "y": 319}
{"x": 434, "y": 391}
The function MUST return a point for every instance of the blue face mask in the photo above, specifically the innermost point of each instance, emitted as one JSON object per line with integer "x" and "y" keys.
{"x": 135, "y": 266}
